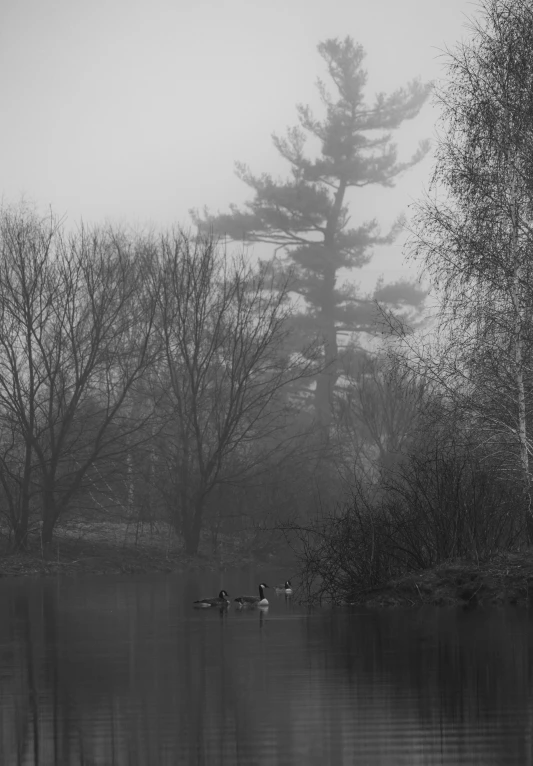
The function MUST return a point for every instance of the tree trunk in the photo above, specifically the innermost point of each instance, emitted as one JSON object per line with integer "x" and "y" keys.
{"x": 519, "y": 375}
{"x": 50, "y": 516}
{"x": 522, "y": 433}
{"x": 192, "y": 526}
{"x": 20, "y": 529}
{"x": 130, "y": 485}
{"x": 326, "y": 380}
{"x": 325, "y": 384}
{"x": 47, "y": 531}
{"x": 20, "y": 526}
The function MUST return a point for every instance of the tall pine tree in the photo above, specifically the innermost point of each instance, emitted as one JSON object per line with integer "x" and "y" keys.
{"x": 307, "y": 215}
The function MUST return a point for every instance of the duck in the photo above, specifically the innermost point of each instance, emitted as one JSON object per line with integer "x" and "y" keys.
{"x": 221, "y": 600}
{"x": 286, "y": 588}
{"x": 253, "y": 600}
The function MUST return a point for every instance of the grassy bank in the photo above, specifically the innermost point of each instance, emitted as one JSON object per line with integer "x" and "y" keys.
{"x": 119, "y": 548}
{"x": 504, "y": 579}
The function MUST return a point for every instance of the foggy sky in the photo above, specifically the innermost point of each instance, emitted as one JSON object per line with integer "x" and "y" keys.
{"x": 135, "y": 111}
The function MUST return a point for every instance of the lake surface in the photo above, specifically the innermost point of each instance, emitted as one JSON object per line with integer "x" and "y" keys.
{"x": 100, "y": 671}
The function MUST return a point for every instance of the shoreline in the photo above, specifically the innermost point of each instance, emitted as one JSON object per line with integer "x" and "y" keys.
{"x": 506, "y": 578}
{"x": 111, "y": 549}
{"x": 115, "y": 547}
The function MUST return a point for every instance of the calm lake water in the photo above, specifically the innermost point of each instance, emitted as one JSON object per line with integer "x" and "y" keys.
{"x": 100, "y": 671}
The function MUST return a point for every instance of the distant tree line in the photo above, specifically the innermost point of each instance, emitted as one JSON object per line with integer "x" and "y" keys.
{"x": 162, "y": 377}
{"x": 121, "y": 351}
{"x": 155, "y": 378}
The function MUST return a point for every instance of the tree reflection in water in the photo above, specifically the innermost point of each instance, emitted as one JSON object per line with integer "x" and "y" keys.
{"x": 100, "y": 672}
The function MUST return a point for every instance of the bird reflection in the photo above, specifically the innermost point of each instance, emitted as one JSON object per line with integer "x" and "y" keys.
{"x": 263, "y": 610}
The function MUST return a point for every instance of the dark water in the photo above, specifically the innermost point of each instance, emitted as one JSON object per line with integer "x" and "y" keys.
{"x": 101, "y": 671}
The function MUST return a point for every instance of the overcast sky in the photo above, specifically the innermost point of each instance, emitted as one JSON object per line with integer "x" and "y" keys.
{"x": 135, "y": 111}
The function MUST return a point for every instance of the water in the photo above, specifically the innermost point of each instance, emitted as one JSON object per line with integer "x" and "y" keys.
{"x": 122, "y": 671}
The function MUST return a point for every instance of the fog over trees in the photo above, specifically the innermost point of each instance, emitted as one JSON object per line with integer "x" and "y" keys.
{"x": 76, "y": 327}
{"x": 308, "y": 216}
{"x": 169, "y": 378}
{"x": 223, "y": 373}
{"x": 461, "y": 487}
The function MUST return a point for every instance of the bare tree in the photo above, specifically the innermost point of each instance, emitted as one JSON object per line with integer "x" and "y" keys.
{"x": 75, "y": 339}
{"x": 222, "y": 325}
{"x": 380, "y": 402}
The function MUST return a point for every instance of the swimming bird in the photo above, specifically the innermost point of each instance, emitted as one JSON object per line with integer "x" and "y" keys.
{"x": 253, "y": 600}
{"x": 222, "y": 600}
{"x": 286, "y": 589}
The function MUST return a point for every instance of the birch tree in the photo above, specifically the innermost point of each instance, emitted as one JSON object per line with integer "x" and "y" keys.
{"x": 474, "y": 233}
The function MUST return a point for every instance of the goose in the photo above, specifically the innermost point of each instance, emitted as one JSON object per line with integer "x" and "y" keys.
{"x": 286, "y": 588}
{"x": 222, "y": 600}
{"x": 253, "y": 600}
